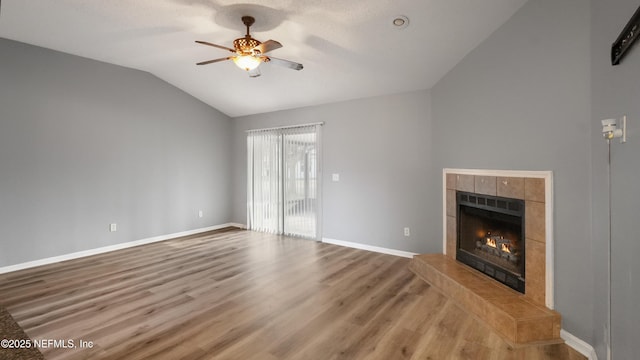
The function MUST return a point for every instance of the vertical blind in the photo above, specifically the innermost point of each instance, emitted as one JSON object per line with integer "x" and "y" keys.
{"x": 283, "y": 187}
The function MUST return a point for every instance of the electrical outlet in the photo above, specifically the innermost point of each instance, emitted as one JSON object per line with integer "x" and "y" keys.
{"x": 407, "y": 231}
{"x": 113, "y": 227}
{"x": 335, "y": 177}
{"x": 200, "y": 213}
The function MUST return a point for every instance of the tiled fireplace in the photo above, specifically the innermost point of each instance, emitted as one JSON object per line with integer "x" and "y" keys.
{"x": 534, "y": 189}
{"x": 494, "y": 204}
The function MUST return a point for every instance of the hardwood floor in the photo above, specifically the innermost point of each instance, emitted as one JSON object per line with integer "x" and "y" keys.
{"x": 237, "y": 294}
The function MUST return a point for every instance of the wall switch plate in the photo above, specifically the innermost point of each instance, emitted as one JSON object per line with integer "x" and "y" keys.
{"x": 113, "y": 227}
{"x": 335, "y": 177}
{"x": 200, "y": 213}
{"x": 407, "y": 231}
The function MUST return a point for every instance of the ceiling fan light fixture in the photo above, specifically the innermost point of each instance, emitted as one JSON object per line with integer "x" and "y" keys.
{"x": 248, "y": 53}
{"x": 247, "y": 62}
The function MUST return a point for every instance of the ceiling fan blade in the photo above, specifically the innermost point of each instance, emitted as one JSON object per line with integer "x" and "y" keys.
{"x": 267, "y": 46}
{"x": 217, "y": 46}
{"x": 214, "y": 61}
{"x": 255, "y": 72}
{"x": 286, "y": 63}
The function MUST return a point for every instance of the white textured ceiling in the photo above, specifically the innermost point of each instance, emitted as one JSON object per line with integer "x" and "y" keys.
{"x": 348, "y": 47}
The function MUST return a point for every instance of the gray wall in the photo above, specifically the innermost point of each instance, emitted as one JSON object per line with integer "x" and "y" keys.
{"x": 84, "y": 144}
{"x": 520, "y": 101}
{"x": 381, "y": 147}
{"x": 616, "y": 92}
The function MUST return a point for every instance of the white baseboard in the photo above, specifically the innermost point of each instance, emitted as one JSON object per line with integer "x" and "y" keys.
{"x": 109, "y": 248}
{"x": 579, "y": 345}
{"x": 369, "y": 248}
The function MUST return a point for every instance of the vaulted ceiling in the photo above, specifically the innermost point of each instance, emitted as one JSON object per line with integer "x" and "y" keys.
{"x": 350, "y": 48}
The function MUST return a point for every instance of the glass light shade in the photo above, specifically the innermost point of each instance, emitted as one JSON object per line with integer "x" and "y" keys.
{"x": 247, "y": 62}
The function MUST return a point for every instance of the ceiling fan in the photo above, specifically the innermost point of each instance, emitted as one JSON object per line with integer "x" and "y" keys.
{"x": 250, "y": 53}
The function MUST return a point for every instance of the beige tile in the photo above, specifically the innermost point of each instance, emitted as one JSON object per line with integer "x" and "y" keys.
{"x": 457, "y": 292}
{"x": 465, "y": 183}
{"x": 436, "y": 279}
{"x": 478, "y": 307}
{"x": 557, "y": 324}
{"x": 534, "y": 189}
{"x": 535, "y": 270}
{"x": 451, "y": 237}
{"x": 451, "y": 181}
{"x": 494, "y": 291}
{"x": 535, "y": 220}
{"x": 451, "y": 203}
{"x": 520, "y": 309}
{"x": 535, "y": 330}
{"x": 510, "y": 187}
{"x": 502, "y": 323}
{"x": 486, "y": 185}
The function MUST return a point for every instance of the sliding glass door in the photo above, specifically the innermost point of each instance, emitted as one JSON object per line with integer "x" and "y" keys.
{"x": 283, "y": 192}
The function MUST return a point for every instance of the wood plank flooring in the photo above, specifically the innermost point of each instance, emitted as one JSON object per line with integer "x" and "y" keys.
{"x": 237, "y": 294}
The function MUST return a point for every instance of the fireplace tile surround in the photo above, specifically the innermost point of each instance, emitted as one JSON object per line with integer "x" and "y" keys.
{"x": 528, "y": 186}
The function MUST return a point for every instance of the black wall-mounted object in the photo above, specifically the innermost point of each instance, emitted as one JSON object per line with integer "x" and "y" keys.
{"x": 626, "y": 39}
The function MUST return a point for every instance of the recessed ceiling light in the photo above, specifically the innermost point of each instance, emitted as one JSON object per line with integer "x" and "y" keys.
{"x": 400, "y": 22}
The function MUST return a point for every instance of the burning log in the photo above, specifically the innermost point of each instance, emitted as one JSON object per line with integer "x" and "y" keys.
{"x": 498, "y": 246}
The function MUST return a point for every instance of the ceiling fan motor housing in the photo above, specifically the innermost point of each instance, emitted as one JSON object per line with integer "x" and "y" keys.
{"x": 245, "y": 44}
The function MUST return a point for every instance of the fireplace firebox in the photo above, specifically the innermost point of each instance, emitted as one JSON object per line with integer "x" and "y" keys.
{"x": 491, "y": 236}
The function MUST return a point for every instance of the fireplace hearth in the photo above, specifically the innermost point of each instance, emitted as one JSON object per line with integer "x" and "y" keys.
{"x": 491, "y": 236}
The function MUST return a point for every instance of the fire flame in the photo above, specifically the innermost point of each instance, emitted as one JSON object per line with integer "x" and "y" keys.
{"x": 505, "y": 248}
{"x": 497, "y": 243}
{"x": 492, "y": 242}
